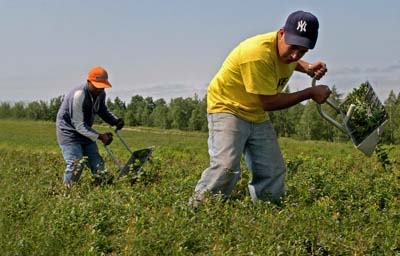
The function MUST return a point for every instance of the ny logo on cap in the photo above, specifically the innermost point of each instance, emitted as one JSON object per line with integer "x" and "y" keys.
{"x": 301, "y": 25}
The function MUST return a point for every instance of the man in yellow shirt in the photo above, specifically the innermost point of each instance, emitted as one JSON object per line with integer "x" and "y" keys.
{"x": 249, "y": 83}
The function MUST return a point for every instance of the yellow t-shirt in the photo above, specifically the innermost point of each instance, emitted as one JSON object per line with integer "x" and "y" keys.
{"x": 252, "y": 68}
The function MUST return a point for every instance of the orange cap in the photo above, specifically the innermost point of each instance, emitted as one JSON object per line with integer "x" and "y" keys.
{"x": 98, "y": 77}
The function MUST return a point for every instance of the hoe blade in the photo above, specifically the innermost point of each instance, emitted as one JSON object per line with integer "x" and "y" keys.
{"x": 136, "y": 161}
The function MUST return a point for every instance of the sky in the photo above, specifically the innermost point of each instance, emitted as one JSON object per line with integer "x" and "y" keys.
{"x": 173, "y": 48}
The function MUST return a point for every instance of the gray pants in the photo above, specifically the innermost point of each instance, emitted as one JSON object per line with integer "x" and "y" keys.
{"x": 229, "y": 138}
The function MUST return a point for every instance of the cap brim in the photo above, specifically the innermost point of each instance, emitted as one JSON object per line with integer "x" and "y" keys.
{"x": 299, "y": 41}
{"x": 103, "y": 84}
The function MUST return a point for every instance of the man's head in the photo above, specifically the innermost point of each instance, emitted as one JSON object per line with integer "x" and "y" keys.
{"x": 98, "y": 77}
{"x": 299, "y": 34}
{"x": 301, "y": 29}
{"x": 98, "y": 80}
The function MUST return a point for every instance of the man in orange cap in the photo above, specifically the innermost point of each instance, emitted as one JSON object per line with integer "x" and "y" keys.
{"x": 75, "y": 118}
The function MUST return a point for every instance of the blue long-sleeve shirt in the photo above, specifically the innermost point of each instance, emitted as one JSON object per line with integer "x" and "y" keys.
{"x": 76, "y": 116}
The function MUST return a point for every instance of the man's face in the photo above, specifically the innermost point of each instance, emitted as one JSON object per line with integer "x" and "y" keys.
{"x": 94, "y": 90}
{"x": 289, "y": 53}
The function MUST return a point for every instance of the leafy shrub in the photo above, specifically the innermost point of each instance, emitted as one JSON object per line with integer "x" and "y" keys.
{"x": 368, "y": 114}
{"x": 338, "y": 202}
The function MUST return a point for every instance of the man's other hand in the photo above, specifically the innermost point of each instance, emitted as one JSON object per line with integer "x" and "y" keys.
{"x": 106, "y": 138}
{"x": 320, "y": 93}
{"x": 318, "y": 70}
{"x": 120, "y": 124}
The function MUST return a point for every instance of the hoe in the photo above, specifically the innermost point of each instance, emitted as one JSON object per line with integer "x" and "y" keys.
{"x": 136, "y": 161}
{"x": 363, "y": 142}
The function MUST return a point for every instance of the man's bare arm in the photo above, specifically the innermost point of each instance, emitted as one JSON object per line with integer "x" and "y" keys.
{"x": 279, "y": 101}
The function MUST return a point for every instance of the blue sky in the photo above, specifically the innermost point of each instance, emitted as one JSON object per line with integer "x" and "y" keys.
{"x": 168, "y": 49}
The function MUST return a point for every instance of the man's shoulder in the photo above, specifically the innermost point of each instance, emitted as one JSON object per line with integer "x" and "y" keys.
{"x": 76, "y": 92}
{"x": 269, "y": 36}
{"x": 77, "y": 88}
{"x": 261, "y": 40}
{"x": 259, "y": 47}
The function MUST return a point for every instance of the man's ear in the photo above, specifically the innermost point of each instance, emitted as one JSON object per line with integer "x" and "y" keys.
{"x": 281, "y": 32}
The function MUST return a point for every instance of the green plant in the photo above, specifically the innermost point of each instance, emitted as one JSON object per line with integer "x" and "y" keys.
{"x": 382, "y": 154}
{"x": 368, "y": 114}
{"x": 337, "y": 201}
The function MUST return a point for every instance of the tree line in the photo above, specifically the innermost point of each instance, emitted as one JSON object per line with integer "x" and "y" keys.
{"x": 301, "y": 121}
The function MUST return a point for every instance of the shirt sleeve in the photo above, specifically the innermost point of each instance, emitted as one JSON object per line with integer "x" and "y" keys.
{"x": 104, "y": 113}
{"x": 259, "y": 77}
{"x": 77, "y": 117}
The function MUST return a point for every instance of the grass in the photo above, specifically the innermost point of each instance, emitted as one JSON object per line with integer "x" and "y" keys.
{"x": 338, "y": 202}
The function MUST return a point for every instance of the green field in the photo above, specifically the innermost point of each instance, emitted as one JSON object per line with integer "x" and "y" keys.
{"x": 339, "y": 202}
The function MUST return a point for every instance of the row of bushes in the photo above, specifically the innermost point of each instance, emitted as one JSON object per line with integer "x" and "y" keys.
{"x": 301, "y": 121}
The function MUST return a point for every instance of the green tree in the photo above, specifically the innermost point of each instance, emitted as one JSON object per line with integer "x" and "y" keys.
{"x": 198, "y": 119}
{"x": 283, "y": 120}
{"x": 18, "y": 110}
{"x": 309, "y": 121}
{"x": 294, "y": 115}
{"x": 159, "y": 117}
{"x": 118, "y": 107}
{"x": 54, "y": 106}
{"x": 180, "y": 112}
{"x": 147, "y": 110}
{"x": 390, "y": 107}
{"x": 5, "y": 110}
{"x": 134, "y": 111}
{"x": 314, "y": 127}
{"x": 396, "y": 124}
{"x": 37, "y": 110}
{"x": 331, "y": 132}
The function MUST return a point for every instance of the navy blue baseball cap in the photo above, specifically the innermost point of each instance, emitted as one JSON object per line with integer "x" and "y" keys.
{"x": 301, "y": 29}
